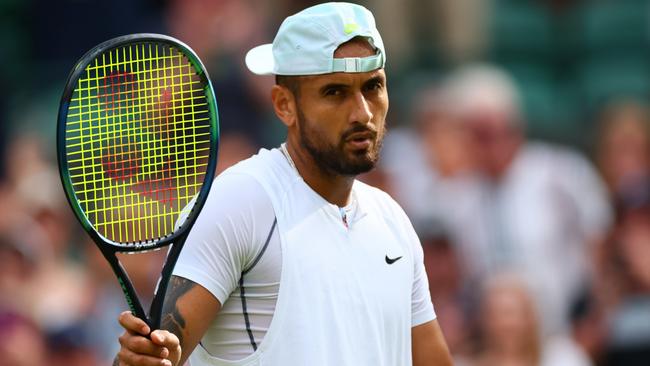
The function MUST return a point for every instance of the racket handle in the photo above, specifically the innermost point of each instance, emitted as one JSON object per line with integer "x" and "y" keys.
{"x": 125, "y": 284}
{"x": 155, "y": 311}
{"x": 132, "y": 300}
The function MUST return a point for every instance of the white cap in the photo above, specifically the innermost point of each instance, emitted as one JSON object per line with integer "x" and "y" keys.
{"x": 306, "y": 42}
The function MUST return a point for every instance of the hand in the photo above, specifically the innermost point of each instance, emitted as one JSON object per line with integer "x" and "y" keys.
{"x": 161, "y": 349}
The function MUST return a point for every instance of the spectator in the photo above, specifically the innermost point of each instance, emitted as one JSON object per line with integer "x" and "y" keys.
{"x": 509, "y": 330}
{"x": 445, "y": 285}
{"x": 57, "y": 291}
{"x": 588, "y": 325}
{"x": 71, "y": 346}
{"x": 22, "y": 341}
{"x": 629, "y": 314}
{"x": 221, "y": 32}
{"x": 623, "y": 147}
{"x": 530, "y": 207}
{"x": 430, "y": 164}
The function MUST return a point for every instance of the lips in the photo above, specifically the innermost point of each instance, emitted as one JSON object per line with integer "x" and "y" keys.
{"x": 360, "y": 140}
{"x": 359, "y": 135}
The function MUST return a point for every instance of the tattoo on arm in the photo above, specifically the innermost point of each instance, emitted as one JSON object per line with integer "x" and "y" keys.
{"x": 172, "y": 319}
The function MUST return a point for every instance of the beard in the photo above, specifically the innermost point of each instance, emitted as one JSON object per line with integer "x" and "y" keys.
{"x": 332, "y": 157}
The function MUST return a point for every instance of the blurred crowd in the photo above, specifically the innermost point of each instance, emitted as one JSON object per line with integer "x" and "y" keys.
{"x": 518, "y": 144}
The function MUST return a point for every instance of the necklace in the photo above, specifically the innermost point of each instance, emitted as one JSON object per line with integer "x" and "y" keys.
{"x": 283, "y": 148}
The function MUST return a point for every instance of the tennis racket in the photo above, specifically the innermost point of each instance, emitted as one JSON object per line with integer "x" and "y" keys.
{"x": 137, "y": 141}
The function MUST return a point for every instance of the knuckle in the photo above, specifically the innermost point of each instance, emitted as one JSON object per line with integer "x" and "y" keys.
{"x": 143, "y": 360}
{"x": 137, "y": 343}
{"x": 123, "y": 339}
{"x": 173, "y": 339}
{"x": 122, "y": 355}
{"x": 140, "y": 343}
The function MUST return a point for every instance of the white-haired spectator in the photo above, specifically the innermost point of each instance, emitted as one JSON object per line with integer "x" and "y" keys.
{"x": 531, "y": 207}
{"x": 539, "y": 207}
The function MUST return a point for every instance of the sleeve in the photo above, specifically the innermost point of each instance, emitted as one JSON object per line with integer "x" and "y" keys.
{"x": 421, "y": 306}
{"x": 227, "y": 235}
{"x": 422, "y": 310}
{"x": 588, "y": 193}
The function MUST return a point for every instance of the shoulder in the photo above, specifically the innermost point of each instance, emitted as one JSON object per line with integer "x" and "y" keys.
{"x": 269, "y": 168}
{"x": 553, "y": 155}
{"x": 238, "y": 196}
{"x": 236, "y": 189}
{"x": 375, "y": 196}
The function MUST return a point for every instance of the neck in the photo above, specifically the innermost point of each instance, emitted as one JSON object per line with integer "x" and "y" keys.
{"x": 334, "y": 188}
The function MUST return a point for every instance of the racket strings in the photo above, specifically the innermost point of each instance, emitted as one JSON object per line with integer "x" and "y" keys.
{"x": 138, "y": 141}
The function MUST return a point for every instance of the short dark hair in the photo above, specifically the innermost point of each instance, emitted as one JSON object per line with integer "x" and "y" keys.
{"x": 290, "y": 82}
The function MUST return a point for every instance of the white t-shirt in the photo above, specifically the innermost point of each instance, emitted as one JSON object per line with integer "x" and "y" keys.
{"x": 236, "y": 241}
{"x": 234, "y": 233}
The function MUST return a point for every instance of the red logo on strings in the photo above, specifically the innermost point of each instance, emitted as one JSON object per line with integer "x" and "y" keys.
{"x": 152, "y": 175}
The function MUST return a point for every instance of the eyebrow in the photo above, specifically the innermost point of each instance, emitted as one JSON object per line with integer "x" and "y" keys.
{"x": 328, "y": 86}
{"x": 375, "y": 79}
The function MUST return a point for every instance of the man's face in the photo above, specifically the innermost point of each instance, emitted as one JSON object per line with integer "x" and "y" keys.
{"x": 341, "y": 116}
{"x": 497, "y": 140}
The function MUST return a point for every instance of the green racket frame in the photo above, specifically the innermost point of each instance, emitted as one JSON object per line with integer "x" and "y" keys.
{"x": 177, "y": 237}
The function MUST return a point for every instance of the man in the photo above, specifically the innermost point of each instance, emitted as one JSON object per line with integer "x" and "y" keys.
{"x": 293, "y": 261}
{"x": 530, "y": 207}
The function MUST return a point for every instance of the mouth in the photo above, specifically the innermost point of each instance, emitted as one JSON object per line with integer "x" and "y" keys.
{"x": 361, "y": 140}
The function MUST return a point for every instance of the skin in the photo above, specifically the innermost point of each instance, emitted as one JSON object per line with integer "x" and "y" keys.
{"x": 329, "y": 111}
{"x": 188, "y": 311}
{"x": 497, "y": 139}
{"x": 335, "y": 126}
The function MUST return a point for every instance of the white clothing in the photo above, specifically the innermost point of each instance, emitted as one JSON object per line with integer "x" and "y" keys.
{"x": 538, "y": 221}
{"x": 238, "y": 213}
{"x": 564, "y": 351}
{"x": 340, "y": 301}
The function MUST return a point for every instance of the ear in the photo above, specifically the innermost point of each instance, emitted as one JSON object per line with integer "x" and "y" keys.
{"x": 284, "y": 104}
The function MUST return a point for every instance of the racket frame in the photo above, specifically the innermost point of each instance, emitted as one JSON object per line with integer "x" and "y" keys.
{"x": 177, "y": 238}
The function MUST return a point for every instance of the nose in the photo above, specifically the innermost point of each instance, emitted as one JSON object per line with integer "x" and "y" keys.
{"x": 361, "y": 112}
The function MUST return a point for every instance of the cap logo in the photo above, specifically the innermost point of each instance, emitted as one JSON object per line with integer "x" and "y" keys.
{"x": 350, "y": 27}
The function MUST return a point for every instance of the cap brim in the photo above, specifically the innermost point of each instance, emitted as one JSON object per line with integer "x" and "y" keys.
{"x": 259, "y": 60}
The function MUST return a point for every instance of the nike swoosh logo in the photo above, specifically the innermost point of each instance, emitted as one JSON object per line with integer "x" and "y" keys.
{"x": 392, "y": 260}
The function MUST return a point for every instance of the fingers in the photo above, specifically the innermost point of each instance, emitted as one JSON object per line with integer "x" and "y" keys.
{"x": 169, "y": 341}
{"x": 162, "y": 349}
{"x": 127, "y": 357}
{"x": 143, "y": 346}
{"x": 133, "y": 324}
{"x": 164, "y": 338}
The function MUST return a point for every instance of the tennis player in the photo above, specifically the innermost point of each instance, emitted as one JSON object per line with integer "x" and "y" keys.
{"x": 293, "y": 261}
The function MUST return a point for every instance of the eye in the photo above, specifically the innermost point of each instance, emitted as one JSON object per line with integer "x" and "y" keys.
{"x": 333, "y": 91}
{"x": 374, "y": 85}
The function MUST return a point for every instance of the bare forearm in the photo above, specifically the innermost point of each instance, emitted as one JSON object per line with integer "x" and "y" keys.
{"x": 188, "y": 310}
{"x": 429, "y": 346}
{"x": 172, "y": 317}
